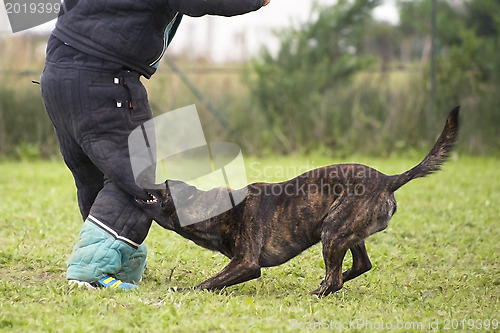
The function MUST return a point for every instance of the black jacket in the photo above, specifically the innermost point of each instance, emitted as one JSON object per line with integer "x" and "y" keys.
{"x": 134, "y": 33}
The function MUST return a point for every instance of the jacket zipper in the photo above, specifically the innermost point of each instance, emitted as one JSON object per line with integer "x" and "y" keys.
{"x": 167, "y": 28}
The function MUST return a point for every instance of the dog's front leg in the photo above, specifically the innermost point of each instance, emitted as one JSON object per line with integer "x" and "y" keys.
{"x": 237, "y": 271}
{"x": 244, "y": 265}
{"x": 360, "y": 262}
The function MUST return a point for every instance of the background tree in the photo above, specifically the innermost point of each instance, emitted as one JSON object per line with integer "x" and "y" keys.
{"x": 468, "y": 67}
{"x": 312, "y": 62}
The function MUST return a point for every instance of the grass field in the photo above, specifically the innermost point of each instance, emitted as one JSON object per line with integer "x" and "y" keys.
{"x": 435, "y": 267}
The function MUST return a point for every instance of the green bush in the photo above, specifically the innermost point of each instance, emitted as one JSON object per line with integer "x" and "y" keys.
{"x": 312, "y": 64}
{"x": 25, "y": 129}
{"x": 333, "y": 86}
{"x": 318, "y": 91}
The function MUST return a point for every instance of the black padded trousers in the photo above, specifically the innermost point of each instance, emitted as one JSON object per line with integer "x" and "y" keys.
{"x": 94, "y": 105}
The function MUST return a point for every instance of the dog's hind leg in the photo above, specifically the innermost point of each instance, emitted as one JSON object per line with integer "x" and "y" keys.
{"x": 338, "y": 236}
{"x": 360, "y": 262}
{"x": 334, "y": 278}
{"x": 333, "y": 264}
{"x": 334, "y": 249}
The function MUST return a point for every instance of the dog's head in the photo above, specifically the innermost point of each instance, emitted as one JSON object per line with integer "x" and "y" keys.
{"x": 161, "y": 206}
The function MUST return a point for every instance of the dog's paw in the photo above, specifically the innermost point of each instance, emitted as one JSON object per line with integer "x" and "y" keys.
{"x": 318, "y": 292}
{"x": 325, "y": 290}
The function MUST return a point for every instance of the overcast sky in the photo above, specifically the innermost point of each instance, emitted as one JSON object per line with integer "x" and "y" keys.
{"x": 222, "y": 38}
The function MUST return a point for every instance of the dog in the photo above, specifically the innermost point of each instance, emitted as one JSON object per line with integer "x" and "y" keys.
{"x": 340, "y": 205}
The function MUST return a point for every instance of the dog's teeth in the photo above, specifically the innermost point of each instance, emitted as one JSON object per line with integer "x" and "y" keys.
{"x": 153, "y": 199}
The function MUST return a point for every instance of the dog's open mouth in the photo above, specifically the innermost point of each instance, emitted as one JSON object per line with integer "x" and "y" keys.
{"x": 153, "y": 201}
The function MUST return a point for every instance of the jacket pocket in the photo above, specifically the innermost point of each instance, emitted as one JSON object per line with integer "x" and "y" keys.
{"x": 138, "y": 103}
{"x": 119, "y": 98}
{"x": 108, "y": 106}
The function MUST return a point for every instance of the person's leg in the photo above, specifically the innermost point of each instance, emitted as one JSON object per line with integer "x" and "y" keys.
{"x": 58, "y": 85}
{"x": 117, "y": 105}
{"x": 89, "y": 180}
{"x": 116, "y": 109}
{"x": 111, "y": 238}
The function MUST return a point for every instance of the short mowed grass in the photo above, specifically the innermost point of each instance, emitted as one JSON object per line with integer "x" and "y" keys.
{"x": 438, "y": 261}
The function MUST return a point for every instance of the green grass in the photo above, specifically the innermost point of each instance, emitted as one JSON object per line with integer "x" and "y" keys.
{"x": 438, "y": 260}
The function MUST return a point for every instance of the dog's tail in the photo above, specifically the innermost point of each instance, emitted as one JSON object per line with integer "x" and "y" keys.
{"x": 436, "y": 157}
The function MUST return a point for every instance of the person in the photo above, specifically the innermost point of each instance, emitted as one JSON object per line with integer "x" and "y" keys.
{"x": 92, "y": 92}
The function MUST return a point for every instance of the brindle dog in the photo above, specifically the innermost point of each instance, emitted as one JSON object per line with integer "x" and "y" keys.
{"x": 339, "y": 205}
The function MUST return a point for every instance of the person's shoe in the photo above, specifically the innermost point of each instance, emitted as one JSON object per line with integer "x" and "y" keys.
{"x": 110, "y": 282}
{"x": 105, "y": 282}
